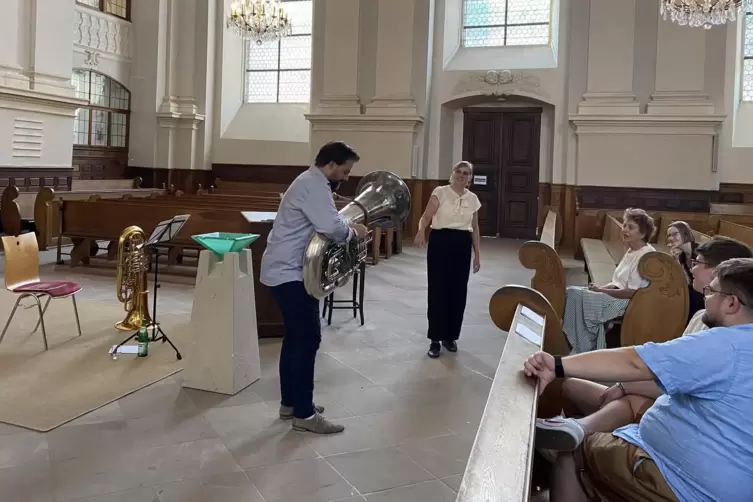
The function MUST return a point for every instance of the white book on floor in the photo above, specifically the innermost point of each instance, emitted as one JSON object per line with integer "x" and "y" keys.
{"x": 527, "y": 333}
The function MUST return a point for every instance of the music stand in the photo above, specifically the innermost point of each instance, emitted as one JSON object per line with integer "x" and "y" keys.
{"x": 164, "y": 232}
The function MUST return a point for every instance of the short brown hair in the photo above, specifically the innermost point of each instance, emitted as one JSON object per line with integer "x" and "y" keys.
{"x": 645, "y": 223}
{"x": 736, "y": 278}
{"x": 686, "y": 233}
{"x": 720, "y": 249}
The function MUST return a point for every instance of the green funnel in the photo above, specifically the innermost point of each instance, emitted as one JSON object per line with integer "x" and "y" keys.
{"x": 224, "y": 242}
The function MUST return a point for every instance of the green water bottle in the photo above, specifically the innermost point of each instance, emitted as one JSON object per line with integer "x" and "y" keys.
{"x": 143, "y": 340}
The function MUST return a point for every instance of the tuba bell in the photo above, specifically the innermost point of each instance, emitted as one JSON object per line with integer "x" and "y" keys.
{"x": 382, "y": 199}
{"x": 131, "y": 282}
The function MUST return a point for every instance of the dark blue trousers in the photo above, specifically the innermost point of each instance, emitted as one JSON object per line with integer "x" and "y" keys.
{"x": 303, "y": 334}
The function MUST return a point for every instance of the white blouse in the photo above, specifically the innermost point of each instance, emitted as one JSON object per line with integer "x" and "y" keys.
{"x": 455, "y": 211}
{"x": 626, "y": 276}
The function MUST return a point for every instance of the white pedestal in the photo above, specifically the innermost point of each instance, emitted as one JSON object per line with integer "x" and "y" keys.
{"x": 224, "y": 352}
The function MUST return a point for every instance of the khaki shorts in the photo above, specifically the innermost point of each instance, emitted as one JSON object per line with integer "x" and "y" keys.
{"x": 606, "y": 465}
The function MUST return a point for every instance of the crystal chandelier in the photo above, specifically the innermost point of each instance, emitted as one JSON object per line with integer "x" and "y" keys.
{"x": 706, "y": 13}
{"x": 260, "y": 20}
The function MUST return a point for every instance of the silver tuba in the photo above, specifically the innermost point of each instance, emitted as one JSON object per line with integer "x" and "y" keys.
{"x": 382, "y": 198}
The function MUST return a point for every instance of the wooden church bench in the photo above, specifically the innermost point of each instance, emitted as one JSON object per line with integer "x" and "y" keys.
{"x": 501, "y": 461}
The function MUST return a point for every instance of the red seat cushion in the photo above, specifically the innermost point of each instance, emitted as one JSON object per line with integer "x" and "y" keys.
{"x": 53, "y": 288}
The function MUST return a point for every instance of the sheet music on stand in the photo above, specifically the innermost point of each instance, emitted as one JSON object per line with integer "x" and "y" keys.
{"x": 167, "y": 230}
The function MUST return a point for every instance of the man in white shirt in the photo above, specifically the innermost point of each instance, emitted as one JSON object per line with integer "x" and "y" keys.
{"x": 608, "y": 408}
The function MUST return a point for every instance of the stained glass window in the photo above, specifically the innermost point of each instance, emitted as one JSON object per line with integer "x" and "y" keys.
{"x": 280, "y": 71}
{"x": 501, "y": 23}
{"x": 104, "y": 123}
{"x": 120, "y": 8}
{"x": 747, "y": 91}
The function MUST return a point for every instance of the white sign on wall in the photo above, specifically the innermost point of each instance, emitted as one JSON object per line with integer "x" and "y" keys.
{"x": 479, "y": 180}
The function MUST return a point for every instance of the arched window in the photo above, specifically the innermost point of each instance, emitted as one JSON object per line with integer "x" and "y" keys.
{"x": 747, "y": 87}
{"x": 104, "y": 123}
{"x": 120, "y": 8}
{"x": 501, "y": 23}
{"x": 280, "y": 71}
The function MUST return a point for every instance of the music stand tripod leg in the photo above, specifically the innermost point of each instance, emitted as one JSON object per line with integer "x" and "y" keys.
{"x": 163, "y": 233}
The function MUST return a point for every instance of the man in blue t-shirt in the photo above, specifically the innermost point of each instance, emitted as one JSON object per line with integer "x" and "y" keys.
{"x": 696, "y": 442}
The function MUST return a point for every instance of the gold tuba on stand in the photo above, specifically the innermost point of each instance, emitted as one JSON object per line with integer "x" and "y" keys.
{"x": 133, "y": 264}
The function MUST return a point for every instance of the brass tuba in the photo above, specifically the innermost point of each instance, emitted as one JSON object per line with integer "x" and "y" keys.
{"x": 130, "y": 286}
{"x": 382, "y": 199}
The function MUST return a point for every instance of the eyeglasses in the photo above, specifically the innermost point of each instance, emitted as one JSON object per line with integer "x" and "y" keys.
{"x": 463, "y": 173}
{"x": 708, "y": 291}
{"x": 693, "y": 263}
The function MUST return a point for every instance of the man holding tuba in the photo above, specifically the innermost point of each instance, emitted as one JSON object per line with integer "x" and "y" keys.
{"x": 306, "y": 207}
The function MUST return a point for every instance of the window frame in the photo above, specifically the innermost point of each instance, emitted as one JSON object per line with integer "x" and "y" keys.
{"x": 102, "y": 8}
{"x": 247, "y": 48}
{"x": 747, "y": 24}
{"x": 506, "y": 26}
{"x": 91, "y": 108}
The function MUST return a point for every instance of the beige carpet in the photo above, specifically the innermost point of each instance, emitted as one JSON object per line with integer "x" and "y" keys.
{"x": 42, "y": 390}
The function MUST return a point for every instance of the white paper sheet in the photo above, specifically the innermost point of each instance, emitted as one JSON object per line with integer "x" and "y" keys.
{"x": 126, "y": 349}
{"x": 532, "y": 316}
{"x": 527, "y": 333}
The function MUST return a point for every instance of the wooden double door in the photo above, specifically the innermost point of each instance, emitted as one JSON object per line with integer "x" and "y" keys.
{"x": 504, "y": 149}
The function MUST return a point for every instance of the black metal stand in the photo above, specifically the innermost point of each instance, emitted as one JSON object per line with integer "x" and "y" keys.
{"x": 355, "y": 303}
{"x": 162, "y": 233}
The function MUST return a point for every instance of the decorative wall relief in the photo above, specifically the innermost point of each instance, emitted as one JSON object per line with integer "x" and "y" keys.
{"x": 101, "y": 32}
{"x": 91, "y": 58}
{"x": 499, "y": 82}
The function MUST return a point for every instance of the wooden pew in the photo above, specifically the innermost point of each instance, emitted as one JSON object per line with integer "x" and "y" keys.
{"x": 87, "y": 221}
{"x": 655, "y": 313}
{"x": 222, "y": 186}
{"x": 47, "y": 206}
{"x": 16, "y": 211}
{"x": 742, "y": 233}
{"x": 541, "y": 256}
{"x": 501, "y": 460}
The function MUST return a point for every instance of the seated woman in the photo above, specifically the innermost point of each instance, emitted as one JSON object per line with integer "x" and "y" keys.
{"x": 588, "y": 310}
{"x": 683, "y": 247}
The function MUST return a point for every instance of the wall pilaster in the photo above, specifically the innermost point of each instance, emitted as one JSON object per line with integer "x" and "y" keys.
{"x": 611, "y": 35}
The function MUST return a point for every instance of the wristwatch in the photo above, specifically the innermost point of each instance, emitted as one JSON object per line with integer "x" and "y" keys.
{"x": 559, "y": 371}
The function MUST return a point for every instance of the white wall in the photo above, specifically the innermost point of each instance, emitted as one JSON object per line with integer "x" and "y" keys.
{"x": 37, "y": 101}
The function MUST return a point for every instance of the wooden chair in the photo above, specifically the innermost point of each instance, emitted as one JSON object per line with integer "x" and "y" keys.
{"x": 22, "y": 277}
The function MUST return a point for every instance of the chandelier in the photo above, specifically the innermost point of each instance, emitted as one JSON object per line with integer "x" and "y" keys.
{"x": 706, "y": 13}
{"x": 259, "y": 20}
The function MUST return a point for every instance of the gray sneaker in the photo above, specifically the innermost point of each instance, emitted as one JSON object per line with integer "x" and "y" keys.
{"x": 317, "y": 424}
{"x": 286, "y": 412}
{"x": 559, "y": 434}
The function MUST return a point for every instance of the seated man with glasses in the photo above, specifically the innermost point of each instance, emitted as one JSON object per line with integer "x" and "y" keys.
{"x": 695, "y": 441}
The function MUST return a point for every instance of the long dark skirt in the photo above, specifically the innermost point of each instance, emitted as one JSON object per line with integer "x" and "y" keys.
{"x": 448, "y": 267}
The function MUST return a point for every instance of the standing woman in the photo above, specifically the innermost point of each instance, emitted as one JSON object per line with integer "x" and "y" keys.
{"x": 453, "y": 213}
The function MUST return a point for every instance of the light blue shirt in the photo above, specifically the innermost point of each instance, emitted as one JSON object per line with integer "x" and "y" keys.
{"x": 700, "y": 432}
{"x": 307, "y": 207}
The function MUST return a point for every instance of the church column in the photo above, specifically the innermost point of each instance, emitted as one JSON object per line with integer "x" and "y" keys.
{"x": 339, "y": 94}
{"x": 680, "y": 68}
{"x": 611, "y": 35}
{"x": 395, "y": 64}
{"x": 189, "y": 35}
{"x": 37, "y": 101}
{"x": 51, "y": 47}
{"x": 15, "y": 35}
